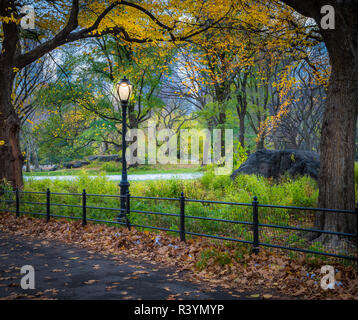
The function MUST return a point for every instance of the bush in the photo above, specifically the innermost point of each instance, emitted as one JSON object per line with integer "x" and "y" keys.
{"x": 93, "y": 164}
{"x": 111, "y": 166}
{"x": 212, "y": 256}
{"x": 212, "y": 181}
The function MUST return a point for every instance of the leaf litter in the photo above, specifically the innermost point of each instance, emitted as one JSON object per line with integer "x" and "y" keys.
{"x": 263, "y": 272}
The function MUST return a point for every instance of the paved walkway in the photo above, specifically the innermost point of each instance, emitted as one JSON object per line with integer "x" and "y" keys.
{"x": 65, "y": 272}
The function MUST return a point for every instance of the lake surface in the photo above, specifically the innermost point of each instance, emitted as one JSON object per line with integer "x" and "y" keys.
{"x": 131, "y": 177}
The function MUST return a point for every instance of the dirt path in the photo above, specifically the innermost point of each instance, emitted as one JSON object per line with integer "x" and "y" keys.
{"x": 65, "y": 272}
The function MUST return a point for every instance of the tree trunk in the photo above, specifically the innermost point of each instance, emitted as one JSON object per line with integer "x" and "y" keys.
{"x": 336, "y": 180}
{"x": 260, "y": 144}
{"x": 11, "y": 158}
{"x": 242, "y": 130}
{"x": 241, "y": 107}
{"x": 221, "y": 126}
{"x": 28, "y": 159}
{"x": 337, "y": 146}
{"x": 35, "y": 158}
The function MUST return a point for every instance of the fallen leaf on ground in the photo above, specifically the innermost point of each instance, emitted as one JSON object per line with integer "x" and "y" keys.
{"x": 91, "y": 281}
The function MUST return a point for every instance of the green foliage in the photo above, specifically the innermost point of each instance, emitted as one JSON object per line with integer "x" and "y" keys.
{"x": 212, "y": 256}
{"x": 111, "y": 166}
{"x": 302, "y": 191}
{"x": 93, "y": 164}
{"x": 292, "y": 192}
{"x": 171, "y": 188}
{"x": 6, "y": 195}
{"x": 239, "y": 156}
{"x": 67, "y": 132}
{"x": 213, "y": 182}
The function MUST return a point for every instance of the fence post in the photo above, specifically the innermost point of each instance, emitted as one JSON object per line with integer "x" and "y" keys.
{"x": 182, "y": 217}
{"x": 84, "y": 218}
{"x": 17, "y": 197}
{"x": 255, "y": 218}
{"x": 128, "y": 209}
{"x": 48, "y": 205}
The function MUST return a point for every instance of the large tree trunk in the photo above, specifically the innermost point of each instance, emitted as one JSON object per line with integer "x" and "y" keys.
{"x": 11, "y": 158}
{"x": 337, "y": 147}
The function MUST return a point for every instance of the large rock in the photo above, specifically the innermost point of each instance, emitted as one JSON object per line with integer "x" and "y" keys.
{"x": 105, "y": 158}
{"x": 53, "y": 168}
{"x": 75, "y": 164}
{"x": 274, "y": 163}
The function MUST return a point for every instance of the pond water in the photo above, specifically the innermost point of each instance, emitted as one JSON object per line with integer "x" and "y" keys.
{"x": 131, "y": 177}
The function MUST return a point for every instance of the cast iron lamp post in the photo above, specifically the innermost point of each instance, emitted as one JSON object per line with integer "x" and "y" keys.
{"x": 124, "y": 90}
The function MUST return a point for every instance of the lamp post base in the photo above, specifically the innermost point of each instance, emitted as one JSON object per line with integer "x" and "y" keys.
{"x": 124, "y": 188}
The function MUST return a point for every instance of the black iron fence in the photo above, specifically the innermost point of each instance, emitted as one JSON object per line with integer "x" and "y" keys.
{"x": 124, "y": 218}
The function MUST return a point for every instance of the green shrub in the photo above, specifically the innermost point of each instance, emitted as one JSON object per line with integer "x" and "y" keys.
{"x": 111, "y": 166}
{"x": 93, "y": 164}
{"x": 207, "y": 178}
{"x": 6, "y": 195}
{"x": 212, "y": 256}
{"x": 212, "y": 181}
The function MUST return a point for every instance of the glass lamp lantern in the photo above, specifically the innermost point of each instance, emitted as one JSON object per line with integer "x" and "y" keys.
{"x": 124, "y": 90}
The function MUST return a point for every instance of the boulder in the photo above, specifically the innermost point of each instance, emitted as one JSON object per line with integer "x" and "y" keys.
{"x": 274, "y": 163}
{"x": 105, "y": 158}
{"x": 53, "y": 168}
{"x": 92, "y": 158}
{"x": 75, "y": 164}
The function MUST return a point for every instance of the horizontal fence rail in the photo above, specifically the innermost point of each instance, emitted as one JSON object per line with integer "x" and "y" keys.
{"x": 124, "y": 217}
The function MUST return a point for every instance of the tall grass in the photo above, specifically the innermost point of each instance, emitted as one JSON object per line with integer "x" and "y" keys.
{"x": 290, "y": 192}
